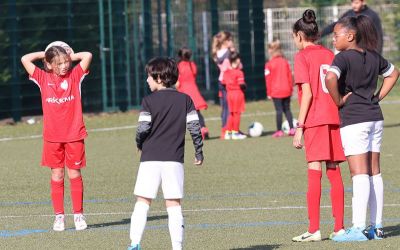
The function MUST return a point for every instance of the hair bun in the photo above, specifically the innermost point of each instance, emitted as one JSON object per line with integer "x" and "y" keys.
{"x": 309, "y": 16}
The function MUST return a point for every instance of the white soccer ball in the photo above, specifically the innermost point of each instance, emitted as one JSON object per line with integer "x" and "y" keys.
{"x": 256, "y": 129}
{"x": 62, "y": 44}
{"x": 286, "y": 127}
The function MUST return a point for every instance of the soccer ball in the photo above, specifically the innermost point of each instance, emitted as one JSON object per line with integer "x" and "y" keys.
{"x": 286, "y": 127}
{"x": 255, "y": 129}
{"x": 60, "y": 44}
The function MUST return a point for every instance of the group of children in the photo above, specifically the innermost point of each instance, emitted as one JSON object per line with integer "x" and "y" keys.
{"x": 339, "y": 108}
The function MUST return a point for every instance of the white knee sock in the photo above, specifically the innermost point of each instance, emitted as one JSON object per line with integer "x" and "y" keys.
{"x": 376, "y": 199}
{"x": 176, "y": 227}
{"x": 138, "y": 222}
{"x": 361, "y": 190}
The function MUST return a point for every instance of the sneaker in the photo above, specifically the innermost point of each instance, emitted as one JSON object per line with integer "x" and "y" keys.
{"x": 352, "y": 234}
{"x": 238, "y": 136}
{"x": 80, "y": 222}
{"x": 204, "y": 133}
{"x": 59, "y": 223}
{"x": 135, "y": 247}
{"x": 307, "y": 237}
{"x": 228, "y": 135}
{"x": 292, "y": 132}
{"x": 375, "y": 232}
{"x": 278, "y": 133}
{"x": 333, "y": 234}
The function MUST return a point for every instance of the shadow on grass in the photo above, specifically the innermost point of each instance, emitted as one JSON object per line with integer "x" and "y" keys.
{"x": 125, "y": 222}
{"x": 258, "y": 247}
{"x": 392, "y": 231}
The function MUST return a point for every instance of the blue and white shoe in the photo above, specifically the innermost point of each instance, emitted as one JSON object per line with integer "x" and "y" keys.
{"x": 352, "y": 234}
{"x": 375, "y": 232}
{"x": 135, "y": 247}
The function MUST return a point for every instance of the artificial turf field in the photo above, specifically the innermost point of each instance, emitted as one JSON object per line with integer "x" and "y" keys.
{"x": 249, "y": 194}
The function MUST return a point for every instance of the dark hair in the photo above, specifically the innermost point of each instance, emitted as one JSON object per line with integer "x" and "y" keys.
{"x": 163, "y": 68}
{"x": 234, "y": 56}
{"x": 53, "y": 52}
{"x": 366, "y": 33}
{"x": 307, "y": 25}
{"x": 185, "y": 54}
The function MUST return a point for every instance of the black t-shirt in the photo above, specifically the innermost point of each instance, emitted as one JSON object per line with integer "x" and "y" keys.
{"x": 168, "y": 110}
{"x": 358, "y": 73}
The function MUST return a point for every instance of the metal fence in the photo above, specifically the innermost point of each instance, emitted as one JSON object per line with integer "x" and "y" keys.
{"x": 124, "y": 34}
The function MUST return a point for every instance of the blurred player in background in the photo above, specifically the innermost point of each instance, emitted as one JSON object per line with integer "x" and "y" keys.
{"x": 63, "y": 128}
{"x": 279, "y": 85}
{"x": 235, "y": 86}
{"x": 187, "y": 84}
{"x": 222, "y": 47}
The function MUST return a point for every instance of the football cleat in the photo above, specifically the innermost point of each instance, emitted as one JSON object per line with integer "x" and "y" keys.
{"x": 135, "y": 247}
{"x": 307, "y": 237}
{"x": 59, "y": 223}
{"x": 375, "y": 232}
{"x": 333, "y": 234}
{"x": 352, "y": 234}
{"x": 80, "y": 222}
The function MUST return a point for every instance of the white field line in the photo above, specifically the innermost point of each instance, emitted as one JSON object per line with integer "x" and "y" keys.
{"x": 134, "y": 126}
{"x": 203, "y": 210}
{"x": 126, "y": 127}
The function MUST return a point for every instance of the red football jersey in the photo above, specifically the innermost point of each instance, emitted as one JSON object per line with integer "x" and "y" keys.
{"x": 233, "y": 78}
{"x": 278, "y": 78}
{"x": 310, "y": 66}
{"x": 188, "y": 85}
{"x": 61, "y": 104}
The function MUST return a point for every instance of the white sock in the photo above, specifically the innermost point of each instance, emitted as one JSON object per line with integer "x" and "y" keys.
{"x": 176, "y": 227}
{"x": 138, "y": 222}
{"x": 376, "y": 199}
{"x": 361, "y": 190}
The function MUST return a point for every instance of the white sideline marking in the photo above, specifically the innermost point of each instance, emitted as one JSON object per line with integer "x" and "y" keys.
{"x": 135, "y": 126}
{"x": 184, "y": 210}
{"x": 126, "y": 127}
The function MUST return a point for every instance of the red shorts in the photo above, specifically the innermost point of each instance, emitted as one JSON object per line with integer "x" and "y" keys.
{"x": 61, "y": 154}
{"x": 323, "y": 143}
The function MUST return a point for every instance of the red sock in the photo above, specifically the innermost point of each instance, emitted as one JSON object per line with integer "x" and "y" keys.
{"x": 337, "y": 196}
{"x": 231, "y": 122}
{"x": 57, "y": 196}
{"x": 313, "y": 199}
{"x": 77, "y": 194}
{"x": 236, "y": 121}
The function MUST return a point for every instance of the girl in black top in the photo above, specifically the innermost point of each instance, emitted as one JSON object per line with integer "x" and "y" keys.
{"x": 352, "y": 84}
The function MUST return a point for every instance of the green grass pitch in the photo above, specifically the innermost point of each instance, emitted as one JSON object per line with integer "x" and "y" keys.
{"x": 249, "y": 194}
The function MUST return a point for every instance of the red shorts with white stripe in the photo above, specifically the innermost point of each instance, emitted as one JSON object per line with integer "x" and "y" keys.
{"x": 61, "y": 154}
{"x": 323, "y": 143}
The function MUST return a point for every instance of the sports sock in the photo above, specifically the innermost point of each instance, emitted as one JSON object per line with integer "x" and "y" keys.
{"x": 236, "y": 121}
{"x": 176, "y": 227}
{"x": 361, "y": 190}
{"x": 138, "y": 222}
{"x": 376, "y": 199}
{"x": 337, "y": 196}
{"x": 76, "y": 185}
{"x": 57, "y": 196}
{"x": 313, "y": 199}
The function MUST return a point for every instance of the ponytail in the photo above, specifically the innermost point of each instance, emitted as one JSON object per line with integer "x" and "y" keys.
{"x": 367, "y": 36}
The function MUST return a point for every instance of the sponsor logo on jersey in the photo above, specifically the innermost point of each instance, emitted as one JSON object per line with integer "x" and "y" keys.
{"x": 64, "y": 85}
{"x": 60, "y": 100}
